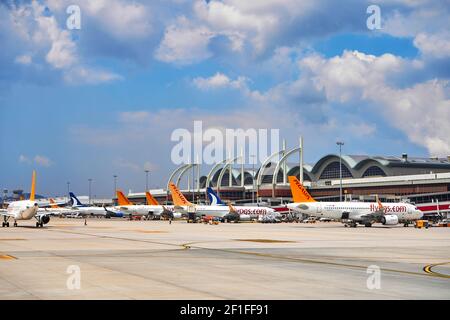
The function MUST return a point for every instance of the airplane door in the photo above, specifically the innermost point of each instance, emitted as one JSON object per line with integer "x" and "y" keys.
{"x": 319, "y": 208}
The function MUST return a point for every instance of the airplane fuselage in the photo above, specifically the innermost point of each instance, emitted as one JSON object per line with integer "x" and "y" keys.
{"x": 254, "y": 212}
{"x": 355, "y": 210}
{"x": 22, "y": 210}
{"x": 200, "y": 210}
{"x": 143, "y": 210}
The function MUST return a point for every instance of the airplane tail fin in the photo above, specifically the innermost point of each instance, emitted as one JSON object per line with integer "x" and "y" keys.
{"x": 214, "y": 198}
{"x": 74, "y": 200}
{"x": 33, "y": 186}
{"x": 299, "y": 193}
{"x": 232, "y": 209}
{"x": 150, "y": 200}
{"x": 53, "y": 204}
{"x": 380, "y": 205}
{"x": 178, "y": 198}
{"x": 122, "y": 199}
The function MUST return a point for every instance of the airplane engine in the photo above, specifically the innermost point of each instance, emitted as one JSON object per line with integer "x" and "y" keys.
{"x": 177, "y": 215}
{"x": 45, "y": 219}
{"x": 232, "y": 216}
{"x": 244, "y": 217}
{"x": 389, "y": 219}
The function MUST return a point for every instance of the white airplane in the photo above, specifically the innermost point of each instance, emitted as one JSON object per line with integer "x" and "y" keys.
{"x": 185, "y": 207}
{"x": 54, "y": 209}
{"x": 246, "y": 213}
{"x": 364, "y": 213}
{"x": 86, "y": 210}
{"x": 151, "y": 210}
{"x": 25, "y": 209}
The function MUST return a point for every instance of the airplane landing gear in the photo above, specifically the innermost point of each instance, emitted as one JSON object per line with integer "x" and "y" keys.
{"x": 5, "y": 222}
{"x": 15, "y": 223}
{"x": 368, "y": 225}
{"x": 39, "y": 224}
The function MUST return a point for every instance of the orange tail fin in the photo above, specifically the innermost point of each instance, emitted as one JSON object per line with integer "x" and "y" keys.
{"x": 178, "y": 197}
{"x": 53, "y": 205}
{"x": 33, "y": 186}
{"x": 150, "y": 200}
{"x": 299, "y": 193}
{"x": 380, "y": 205}
{"x": 122, "y": 200}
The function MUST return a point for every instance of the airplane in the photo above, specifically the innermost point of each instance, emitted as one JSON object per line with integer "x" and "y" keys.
{"x": 185, "y": 207}
{"x": 246, "y": 213}
{"x": 25, "y": 209}
{"x": 364, "y": 213}
{"x": 86, "y": 210}
{"x": 151, "y": 210}
{"x": 55, "y": 209}
{"x": 168, "y": 210}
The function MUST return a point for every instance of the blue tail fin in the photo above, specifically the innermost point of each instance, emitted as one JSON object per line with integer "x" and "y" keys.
{"x": 214, "y": 198}
{"x": 75, "y": 201}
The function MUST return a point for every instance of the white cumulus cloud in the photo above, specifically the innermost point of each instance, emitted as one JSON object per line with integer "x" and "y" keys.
{"x": 39, "y": 160}
{"x": 421, "y": 111}
{"x": 184, "y": 43}
{"x": 219, "y": 80}
{"x": 434, "y": 45}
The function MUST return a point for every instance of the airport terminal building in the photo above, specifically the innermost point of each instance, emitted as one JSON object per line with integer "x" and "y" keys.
{"x": 423, "y": 181}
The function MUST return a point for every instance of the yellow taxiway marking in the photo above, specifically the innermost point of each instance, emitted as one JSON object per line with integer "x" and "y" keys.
{"x": 7, "y": 257}
{"x": 428, "y": 270}
{"x": 11, "y": 239}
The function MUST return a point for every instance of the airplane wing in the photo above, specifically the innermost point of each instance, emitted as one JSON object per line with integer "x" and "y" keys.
{"x": 376, "y": 215}
{"x": 5, "y": 213}
{"x": 373, "y": 216}
{"x": 55, "y": 212}
{"x": 179, "y": 209}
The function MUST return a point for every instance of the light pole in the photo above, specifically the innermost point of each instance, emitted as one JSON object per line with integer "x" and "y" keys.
{"x": 90, "y": 182}
{"x": 146, "y": 180}
{"x": 340, "y": 144}
{"x": 115, "y": 184}
{"x": 253, "y": 177}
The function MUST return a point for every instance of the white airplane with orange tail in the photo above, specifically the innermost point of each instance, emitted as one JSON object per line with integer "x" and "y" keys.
{"x": 365, "y": 213}
{"x": 25, "y": 209}
{"x": 150, "y": 210}
{"x": 183, "y": 206}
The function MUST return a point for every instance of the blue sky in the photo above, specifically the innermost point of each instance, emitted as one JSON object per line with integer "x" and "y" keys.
{"x": 104, "y": 100}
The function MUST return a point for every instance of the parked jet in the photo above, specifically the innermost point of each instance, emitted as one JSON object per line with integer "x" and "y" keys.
{"x": 245, "y": 213}
{"x": 168, "y": 210}
{"x": 56, "y": 209}
{"x": 151, "y": 211}
{"x": 88, "y": 210}
{"x": 185, "y": 207}
{"x": 25, "y": 209}
{"x": 364, "y": 213}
